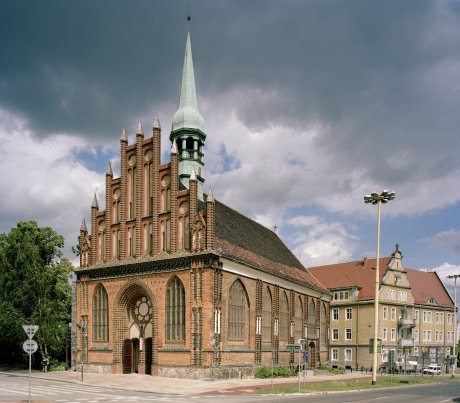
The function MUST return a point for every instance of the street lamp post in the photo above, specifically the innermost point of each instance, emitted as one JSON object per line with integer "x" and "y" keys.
{"x": 82, "y": 327}
{"x": 454, "y": 365}
{"x": 378, "y": 199}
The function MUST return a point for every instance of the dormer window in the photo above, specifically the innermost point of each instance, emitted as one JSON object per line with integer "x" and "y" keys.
{"x": 340, "y": 295}
{"x": 432, "y": 301}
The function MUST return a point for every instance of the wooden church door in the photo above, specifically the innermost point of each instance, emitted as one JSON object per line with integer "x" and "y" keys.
{"x": 312, "y": 355}
{"x": 127, "y": 355}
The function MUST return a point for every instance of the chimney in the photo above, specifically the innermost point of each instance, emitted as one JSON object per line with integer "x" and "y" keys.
{"x": 365, "y": 262}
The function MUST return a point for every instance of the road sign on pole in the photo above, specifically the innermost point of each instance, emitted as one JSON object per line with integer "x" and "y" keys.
{"x": 293, "y": 347}
{"x": 30, "y": 346}
{"x": 30, "y": 330}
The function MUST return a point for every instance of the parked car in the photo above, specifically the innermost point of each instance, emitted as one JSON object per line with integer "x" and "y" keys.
{"x": 432, "y": 369}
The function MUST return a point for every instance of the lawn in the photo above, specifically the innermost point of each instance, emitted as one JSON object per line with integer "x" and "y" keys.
{"x": 353, "y": 384}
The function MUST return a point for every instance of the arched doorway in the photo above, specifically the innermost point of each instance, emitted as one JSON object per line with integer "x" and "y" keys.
{"x": 134, "y": 327}
{"x": 312, "y": 354}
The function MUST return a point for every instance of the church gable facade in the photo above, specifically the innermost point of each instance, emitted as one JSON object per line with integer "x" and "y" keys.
{"x": 171, "y": 281}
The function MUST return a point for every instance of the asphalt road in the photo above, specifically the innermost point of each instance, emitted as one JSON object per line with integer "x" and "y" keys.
{"x": 14, "y": 389}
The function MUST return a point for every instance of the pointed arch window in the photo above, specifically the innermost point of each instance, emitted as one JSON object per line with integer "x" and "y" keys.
{"x": 100, "y": 314}
{"x": 267, "y": 316}
{"x": 284, "y": 318}
{"x": 237, "y": 311}
{"x": 298, "y": 319}
{"x": 311, "y": 320}
{"x": 175, "y": 311}
{"x": 323, "y": 326}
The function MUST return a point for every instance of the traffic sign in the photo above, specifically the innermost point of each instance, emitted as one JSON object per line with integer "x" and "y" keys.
{"x": 30, "y": 330}
{"x": 30, "y": 346}
{"x": 293, "y": 347}
{"x": 303, "y": 341}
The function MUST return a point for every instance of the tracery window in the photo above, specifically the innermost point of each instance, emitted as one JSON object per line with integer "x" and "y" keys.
{"x": 298, "y": 320}
{"x": 311, "y": 320}
{"x": 267, "y": 316}
{"x": 284, "y": 318}
{"x": 323, "y": 326}
{"x": 175, "y": 311}
{"x": 100, "y": 314}
{"x": 237, "y": 311}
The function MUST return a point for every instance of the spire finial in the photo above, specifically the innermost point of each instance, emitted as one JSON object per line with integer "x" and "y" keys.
{"x": 124, "y": 136}
{"x": 108, "y": 170}
{"x": 139, "y": 130}
{"x": 83, "y": 226}
{"x": 156, "y": 122}
{"x": 210, "y": 195}
{"x": 95, "y": 204}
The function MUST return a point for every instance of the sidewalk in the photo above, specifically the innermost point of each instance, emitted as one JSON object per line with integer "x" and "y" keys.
{"x": 179, "y": 386}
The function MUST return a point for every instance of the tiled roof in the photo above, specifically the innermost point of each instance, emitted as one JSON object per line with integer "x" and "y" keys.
{"x": 351, "y": 274}
{"x": 244, "y": 240}
{"x": 424, "y": 285}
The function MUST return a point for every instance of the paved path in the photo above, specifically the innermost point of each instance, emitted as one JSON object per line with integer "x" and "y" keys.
{"x": 147, "y": 383}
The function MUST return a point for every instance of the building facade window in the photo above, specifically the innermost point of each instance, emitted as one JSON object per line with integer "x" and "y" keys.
{"x": 417, "y": 315}
{"x": 348, "y": 334}
{"x": 385, "y": 313}
{"x": 385, "y": 333}
{"x": 100, "y": 314}
{"x": 439, "y": 317}
{"x": 237, "y": 311}
{"x": 426, "y": 316}
{"x": 175, "y": 311}
{"x": 391, "y": 295}
{"x": 393, "y": 313}
{"x": 393, "y": 334}
{"x": 335, "y": 334}
{"x": 340, "y": 295}
{"x": 335, "y": 354}
{"x": 348, "y": 354}
{"x": 416, "y": 335}
{"x": 335, "y": 314}
{"x": 349, "y": 313}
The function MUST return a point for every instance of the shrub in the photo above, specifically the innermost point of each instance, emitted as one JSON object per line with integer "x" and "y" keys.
{"x": 328, "y": 368}
{"x": 56, "y": 365}
{"x": 278, "y": 372}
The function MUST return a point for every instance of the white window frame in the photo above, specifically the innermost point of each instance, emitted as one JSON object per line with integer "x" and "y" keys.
{"x": 335, "y": 314}
{"x": 335, "y": 334}
{"x": 393, "y": 313}
{"x": 384, "y": 333}
{"x": 348, "y": 313}
{"x": 334, "y": 354}
{"x": 348, "y": 354}
{"x": 393, "y": 334}
{"x": 385, "y": 313}
{"x": 348, "y": 331}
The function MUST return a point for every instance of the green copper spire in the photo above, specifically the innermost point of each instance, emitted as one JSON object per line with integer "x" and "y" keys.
{"x": 187, "y": 116}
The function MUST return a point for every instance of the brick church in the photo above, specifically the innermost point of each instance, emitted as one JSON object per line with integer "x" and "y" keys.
{"x": 175, "y": 283}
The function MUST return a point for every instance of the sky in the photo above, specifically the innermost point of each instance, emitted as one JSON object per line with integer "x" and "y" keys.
{"x": 308, "y": 106}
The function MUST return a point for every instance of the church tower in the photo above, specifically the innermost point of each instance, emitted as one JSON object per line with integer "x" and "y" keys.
{"x": 187, "y": 129}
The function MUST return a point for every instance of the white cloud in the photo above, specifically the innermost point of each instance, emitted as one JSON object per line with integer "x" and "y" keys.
{"x": 448, "y": 241}
{"x": 317, "y": 241}
{"x": 42, "y": 180}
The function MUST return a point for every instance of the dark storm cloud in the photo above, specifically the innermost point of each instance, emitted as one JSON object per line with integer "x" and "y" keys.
{"x": 375, "y": 73}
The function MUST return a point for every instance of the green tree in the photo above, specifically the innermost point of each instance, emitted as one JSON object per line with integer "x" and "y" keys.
{"x": 34, "y": 289}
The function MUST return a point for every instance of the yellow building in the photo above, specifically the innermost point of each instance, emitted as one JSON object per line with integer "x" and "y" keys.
{"x": 416, "y": 313}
